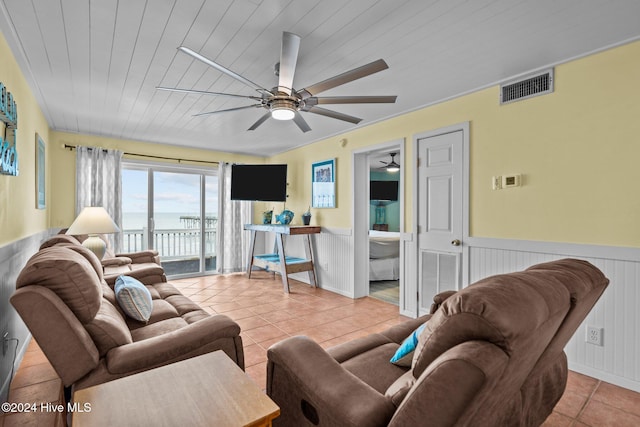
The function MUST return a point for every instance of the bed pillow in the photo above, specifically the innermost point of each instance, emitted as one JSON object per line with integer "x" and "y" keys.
{"x": 404, "y": 354}
{"x": 133, "y": 298}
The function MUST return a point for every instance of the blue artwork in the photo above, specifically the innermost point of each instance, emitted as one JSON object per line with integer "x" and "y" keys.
{"x": 9, "y": 116}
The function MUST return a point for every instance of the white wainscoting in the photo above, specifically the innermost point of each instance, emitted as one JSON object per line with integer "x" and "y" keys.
{"x": 617, "y": 311}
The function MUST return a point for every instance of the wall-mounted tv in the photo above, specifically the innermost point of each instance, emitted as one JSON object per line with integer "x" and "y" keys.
{"x": 383, "y": 190}
{"x": 267, "y": 183}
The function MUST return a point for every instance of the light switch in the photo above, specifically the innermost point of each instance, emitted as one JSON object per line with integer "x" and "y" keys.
{"x": 496, "y": 182}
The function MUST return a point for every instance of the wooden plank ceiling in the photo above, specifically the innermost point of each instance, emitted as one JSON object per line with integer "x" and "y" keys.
{"x": 94, "y": 65}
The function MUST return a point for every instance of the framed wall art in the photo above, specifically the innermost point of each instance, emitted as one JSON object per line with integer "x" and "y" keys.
{"x": 40, "y": 173}
{"x": 323, "y": 184}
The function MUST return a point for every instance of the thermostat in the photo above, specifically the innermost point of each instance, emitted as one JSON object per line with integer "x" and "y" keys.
{"x": 511, "y": 180}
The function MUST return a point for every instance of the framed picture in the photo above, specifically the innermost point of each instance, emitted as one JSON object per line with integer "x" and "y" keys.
{"x": 40, "y": 173}
{"x": 323, "y": 184}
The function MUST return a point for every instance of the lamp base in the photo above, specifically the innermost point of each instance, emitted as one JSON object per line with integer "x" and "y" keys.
{"x": 96, "y": 245}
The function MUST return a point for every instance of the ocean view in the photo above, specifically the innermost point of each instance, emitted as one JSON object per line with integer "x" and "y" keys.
{"x": 163, "y": 220}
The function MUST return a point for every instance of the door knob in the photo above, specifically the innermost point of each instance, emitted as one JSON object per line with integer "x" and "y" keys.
{"x": 455, "y": 242}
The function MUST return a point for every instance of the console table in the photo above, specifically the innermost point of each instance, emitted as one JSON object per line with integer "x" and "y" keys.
{"x": 207, "y": 390}
{"x": 279, "y": 262}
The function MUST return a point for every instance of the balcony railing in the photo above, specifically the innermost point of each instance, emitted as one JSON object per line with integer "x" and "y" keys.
{"x": 171, "y": 243}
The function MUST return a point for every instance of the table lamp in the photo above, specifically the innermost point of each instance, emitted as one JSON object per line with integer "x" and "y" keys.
{"x": 93, "y": 220}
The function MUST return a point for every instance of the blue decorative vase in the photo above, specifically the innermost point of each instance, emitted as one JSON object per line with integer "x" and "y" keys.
{"x": 266, "y": 217}
{"x": 285, "y": 217}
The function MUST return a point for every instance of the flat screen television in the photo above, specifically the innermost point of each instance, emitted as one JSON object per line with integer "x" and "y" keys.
{"x": 383, "y": 190}
{"x": 266, "y": 183}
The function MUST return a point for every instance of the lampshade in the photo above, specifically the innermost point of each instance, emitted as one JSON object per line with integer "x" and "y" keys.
{"x": 93, "y": 220}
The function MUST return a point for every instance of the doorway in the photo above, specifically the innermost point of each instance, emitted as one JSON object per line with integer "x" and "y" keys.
{"x": 441, "y": 195}
{"x": 378, "y": 222}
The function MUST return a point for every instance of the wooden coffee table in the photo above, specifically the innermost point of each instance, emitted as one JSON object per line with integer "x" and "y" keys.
{"x": 208, "y": 390}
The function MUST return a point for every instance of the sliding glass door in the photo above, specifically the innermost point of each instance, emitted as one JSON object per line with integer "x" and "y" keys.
{"x": 174, "y": 211}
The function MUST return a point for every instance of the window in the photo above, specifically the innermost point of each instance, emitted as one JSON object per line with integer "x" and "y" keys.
{"x": 163, "y": 208}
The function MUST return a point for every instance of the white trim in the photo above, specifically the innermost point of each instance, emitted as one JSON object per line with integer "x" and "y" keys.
{"x": 605, "y": 376}
{"x": 338, "y": 231}
{"x": 620, "y": 253}
{"x": 360, "y": 159}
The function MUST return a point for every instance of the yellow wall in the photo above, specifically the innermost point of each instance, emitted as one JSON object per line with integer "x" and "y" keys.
{"x": 64, "y": 165}
{"x": 577, "y": 148}
{"x": 19, "y": 216}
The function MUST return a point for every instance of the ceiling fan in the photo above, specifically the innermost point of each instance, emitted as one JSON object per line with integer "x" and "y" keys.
{"x": 391, "y": 166}
{"x": 283, "y": 102}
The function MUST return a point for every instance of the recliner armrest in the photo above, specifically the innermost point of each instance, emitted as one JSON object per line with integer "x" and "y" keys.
{"x": 334, "y": 393}
{"x": 170, "y": 347}
{"x": 148, "y": 255}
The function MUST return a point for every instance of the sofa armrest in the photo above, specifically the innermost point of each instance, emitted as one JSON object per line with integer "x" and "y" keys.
{"x": 119, "y": 261}
{"x": 170, "y": 347}
{"x": 142, "y": 256}
{"x": 300, "y": 374}
{"x": 146, "y": 275}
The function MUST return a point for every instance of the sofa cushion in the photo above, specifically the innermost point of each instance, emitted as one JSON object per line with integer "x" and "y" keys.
{"x": 404, "y": 355}
{"x": 134, "y": 298}
{"x": 108, "y": 328}
{"x": 70, "y": 275}
{"x": 373, "y": 367}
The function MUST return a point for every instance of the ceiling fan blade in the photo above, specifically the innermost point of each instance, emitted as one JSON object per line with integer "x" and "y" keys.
{"x": 204, "y": 92}
{"x": 334, "y": 115}
{"x": 222, "y": 69}
{"x": 260, "y": 121}
{"x": 351, "y": 100}
{"x": 228, "y": 109}
{"x": 346, "y": 77}
{"x": 288, "y": 60}
{"x": 301, "y": 122}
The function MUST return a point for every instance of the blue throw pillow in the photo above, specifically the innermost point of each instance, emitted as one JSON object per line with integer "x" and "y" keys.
{"x": 404, "y": 354}
{"x": 134, "y": 298}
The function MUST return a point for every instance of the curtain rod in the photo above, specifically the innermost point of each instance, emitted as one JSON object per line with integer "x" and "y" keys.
{"x": 73, "y": 147}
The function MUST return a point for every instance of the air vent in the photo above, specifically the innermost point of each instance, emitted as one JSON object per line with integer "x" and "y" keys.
{"x": 527, "y": 87}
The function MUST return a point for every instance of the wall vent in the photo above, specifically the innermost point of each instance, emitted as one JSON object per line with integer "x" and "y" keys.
{"x": 527, "y": 87}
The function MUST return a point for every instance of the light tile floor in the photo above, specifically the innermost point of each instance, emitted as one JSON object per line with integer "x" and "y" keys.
{"x": 267, "y": 315}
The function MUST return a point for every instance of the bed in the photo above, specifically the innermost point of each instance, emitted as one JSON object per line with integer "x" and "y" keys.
{"x": 384, "y": 255}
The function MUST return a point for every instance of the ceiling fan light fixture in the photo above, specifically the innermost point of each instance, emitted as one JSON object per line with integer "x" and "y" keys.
{"x": 282, "y": 109}
{"x": 392, "y": 166}
{"x": 282, "y": 113}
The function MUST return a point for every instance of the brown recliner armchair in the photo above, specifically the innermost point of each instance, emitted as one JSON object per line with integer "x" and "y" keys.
{"x": 490, "y": 355}
{"x": 75, "y": 318}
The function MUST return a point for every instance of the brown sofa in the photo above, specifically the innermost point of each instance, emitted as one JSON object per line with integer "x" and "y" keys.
{"x": 113, "y": 265}
{"x": 73, "y": 314}
{"x": 489, "y": 355}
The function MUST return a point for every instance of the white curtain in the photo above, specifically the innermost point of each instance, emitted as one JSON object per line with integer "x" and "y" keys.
{"x": 233, "y": 241}
{"x": 99, "y": 183}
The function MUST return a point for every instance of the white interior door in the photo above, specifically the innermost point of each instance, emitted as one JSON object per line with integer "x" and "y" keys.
{"x": 440, "y": 215}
